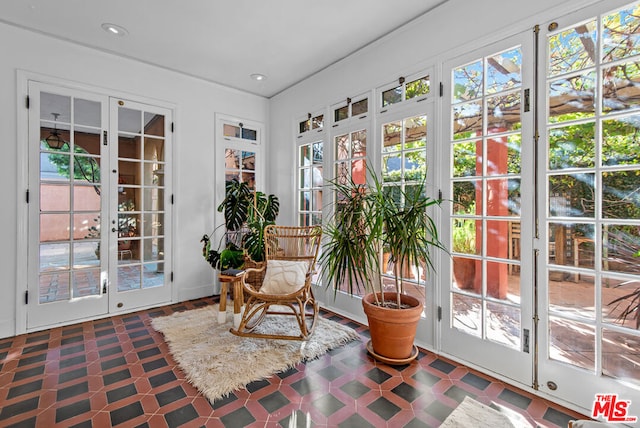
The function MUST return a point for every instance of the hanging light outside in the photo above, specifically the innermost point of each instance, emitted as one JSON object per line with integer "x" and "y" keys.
{"x": 54, "y": 140}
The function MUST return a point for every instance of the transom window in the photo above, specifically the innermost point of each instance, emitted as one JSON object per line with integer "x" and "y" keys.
{"x": 404, "y": 91}
{"x": 350, "y": 109}
{"x": 311, "y": 123}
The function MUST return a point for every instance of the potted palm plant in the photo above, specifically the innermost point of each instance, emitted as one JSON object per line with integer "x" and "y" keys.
{"x": 366, "y": 220}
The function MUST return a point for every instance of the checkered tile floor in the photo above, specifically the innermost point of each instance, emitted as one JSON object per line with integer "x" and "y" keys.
{"x": 118, "y": 372}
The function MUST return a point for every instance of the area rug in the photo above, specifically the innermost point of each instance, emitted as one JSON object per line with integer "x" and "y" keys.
{"x": 217, "y": 362}
{"x": 471, "y": 413}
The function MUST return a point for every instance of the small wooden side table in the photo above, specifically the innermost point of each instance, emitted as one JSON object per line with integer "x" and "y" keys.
{"x": 238, "y": 298}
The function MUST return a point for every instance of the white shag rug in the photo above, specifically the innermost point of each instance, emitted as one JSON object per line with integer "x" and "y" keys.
{"x": 217, "y": 362}
{"x": 471, "y": 413}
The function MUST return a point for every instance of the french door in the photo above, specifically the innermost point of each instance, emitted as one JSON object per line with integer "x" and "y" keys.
{"x": 590, "y": 206}
{"x": 545, "y": 214}
{"x": 98, "y": 220}
{"x": 486, "y": 301}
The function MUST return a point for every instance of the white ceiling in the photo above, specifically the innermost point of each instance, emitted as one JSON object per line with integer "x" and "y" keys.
{"x": 223, "y": 41}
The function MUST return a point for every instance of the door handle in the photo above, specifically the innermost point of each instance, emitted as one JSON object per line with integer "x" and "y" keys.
{"x": 113, "y": 229}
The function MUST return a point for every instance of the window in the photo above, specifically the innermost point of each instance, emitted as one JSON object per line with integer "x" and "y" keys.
{"x": 350, "y": 109}
{"x": 350, "y": 153}
{"x": 311, "y": 123}
{"x": 404, "y": 164}
{"x": 402, "y": 90}
{"x": 310, "y": 158}
{"x": 240, "y": 150}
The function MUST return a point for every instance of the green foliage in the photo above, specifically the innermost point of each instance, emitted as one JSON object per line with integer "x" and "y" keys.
{"x": 246, "y": 214}
{"x": 464, "y": 236}
{"x": 85, "y": 167}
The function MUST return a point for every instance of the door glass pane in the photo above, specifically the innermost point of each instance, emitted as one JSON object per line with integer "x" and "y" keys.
{"x": 468, "y": 82}
{"x": 128, "y": 146}
{"x": 503, "y": 113}
{"x": 572, "y": 146}
{"x": 621, "y": 194}
{"x": 568, "y": 347}
{"x": 619, "y": 88}
{"x": 86, "y": 282}
{"x": 87, "y": 113}
{"x": 466, "y": 239}
{"x": 87, "y": 140}
{"x": 86, "y": 169}
{"x": 468, "y": 314}
{"x": 54, "y": 257}
{"x": 618, "y": 296}
{"x": 392, "y": 137}
{"x": 467, "y": 158}
{"x": 154, "y": 149}
{"x": 153, "y": 124}
{"x": 129, "y": 275}
{"x": 504, "y": 71}
{"x": 54, "y": 197}
{"x": 504, "y": 327}
{"x": 467, "y": 197}
{"x": 467, "y": 120}
{"x": 621, "y": 248}
{"x": 571, "y": 195}
{"x": 617, "y": 360}
{"x": 616, "y": 149}
{"x": 129, "y": 120}
{"x": 572, "y": 49}
{"x": 153, "y": 275}
{"x": 572, "y": 98}
{"x": 620, "y": 36}
{"x": 54, "y": 287}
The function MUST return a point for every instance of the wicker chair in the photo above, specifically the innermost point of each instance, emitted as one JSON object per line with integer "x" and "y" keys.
{"x": 291, "y": 254}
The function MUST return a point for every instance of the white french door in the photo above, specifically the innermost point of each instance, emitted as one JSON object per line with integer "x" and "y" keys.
{"x": 140, "y": 205}
{"x": 98, "y": 225}
{"x": 590, "y": 206}
{"x": 486, "y": 292}
{"x": 544, "y": 219}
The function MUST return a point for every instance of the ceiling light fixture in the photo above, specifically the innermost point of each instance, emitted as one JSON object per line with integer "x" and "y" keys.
{"x": 114, "y": 29}
{"x": 259, "y": 77}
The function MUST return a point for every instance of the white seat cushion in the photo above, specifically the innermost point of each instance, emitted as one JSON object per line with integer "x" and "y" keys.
{"x": 284, "y": 276}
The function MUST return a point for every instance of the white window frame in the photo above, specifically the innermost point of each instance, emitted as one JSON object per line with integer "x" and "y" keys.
{"x": 349, "y": 102}
{"x": 403, "y": 103}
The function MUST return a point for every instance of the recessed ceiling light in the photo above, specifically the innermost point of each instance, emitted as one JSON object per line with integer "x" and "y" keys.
{"x": 258, "y": 76}
{"x": 114, "y": 29}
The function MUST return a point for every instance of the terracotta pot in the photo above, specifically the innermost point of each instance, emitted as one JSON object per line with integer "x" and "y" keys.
{"x": 464, "y": 272}
{"x": 393, "y": 330}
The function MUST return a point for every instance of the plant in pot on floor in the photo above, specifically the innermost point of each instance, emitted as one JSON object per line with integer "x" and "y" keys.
{"x": 246, "y": 214}
{"x": 366, "y": 219}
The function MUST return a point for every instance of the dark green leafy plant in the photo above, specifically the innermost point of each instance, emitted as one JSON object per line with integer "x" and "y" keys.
{"x": 246, "y": 214}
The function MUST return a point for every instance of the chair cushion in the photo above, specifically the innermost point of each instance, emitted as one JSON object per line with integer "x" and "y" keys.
{"x": 284, "y": 276}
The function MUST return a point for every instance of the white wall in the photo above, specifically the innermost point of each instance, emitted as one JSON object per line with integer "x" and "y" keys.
{"x": 452, "y": 29}
{"x": 196, "y": 103}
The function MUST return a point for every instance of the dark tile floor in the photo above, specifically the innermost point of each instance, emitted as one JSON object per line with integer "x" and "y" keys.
{"x": 118, "y": 371}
